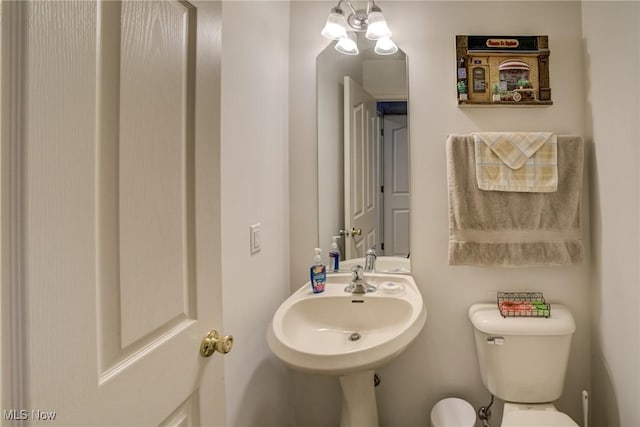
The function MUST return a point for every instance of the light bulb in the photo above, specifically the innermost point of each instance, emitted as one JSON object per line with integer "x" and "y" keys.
{"x": 335, "y": 27}
{"x": 376, "y": 25}
{"x": 385, "y": 46}
{"x": 348, "y": 45}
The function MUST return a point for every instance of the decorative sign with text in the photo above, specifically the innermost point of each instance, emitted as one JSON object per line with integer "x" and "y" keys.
{"x": 503, "y": 70}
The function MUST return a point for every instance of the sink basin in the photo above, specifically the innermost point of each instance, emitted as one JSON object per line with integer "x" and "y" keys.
{"x": 384, "y": 264}
{"x": 336, "y": 333}
{"x": 325, "y": 326}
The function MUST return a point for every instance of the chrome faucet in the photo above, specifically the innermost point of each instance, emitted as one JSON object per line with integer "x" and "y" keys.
{"x": 370, "y": 259}
{"x": 358, "y": 285}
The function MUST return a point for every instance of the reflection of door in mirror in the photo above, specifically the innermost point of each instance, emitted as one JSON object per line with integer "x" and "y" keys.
{"x": 395, "y": 193}
{"x": 359, "y": 169}
{"x": 384, "y": 78}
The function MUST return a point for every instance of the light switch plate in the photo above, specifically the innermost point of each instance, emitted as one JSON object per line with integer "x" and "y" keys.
{"x": 255, "y": 238}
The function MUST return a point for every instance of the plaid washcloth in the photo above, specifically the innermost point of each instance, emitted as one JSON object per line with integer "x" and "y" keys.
{"x": 517, "y": 161}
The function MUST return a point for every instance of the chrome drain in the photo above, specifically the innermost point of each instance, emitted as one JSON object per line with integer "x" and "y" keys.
{"x": 354, "y": 336}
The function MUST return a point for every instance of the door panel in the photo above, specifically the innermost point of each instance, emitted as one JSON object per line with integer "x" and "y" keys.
{"x": 396, "y": 186}
{"x": 359, "y": 163}
{"x": 156, "y": 167}
{"x": 121, "y": 221}
{"x": 186, "y": 415}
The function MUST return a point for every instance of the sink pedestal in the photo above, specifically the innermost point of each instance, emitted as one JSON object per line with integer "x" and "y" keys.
{"x": 358, "y": 400}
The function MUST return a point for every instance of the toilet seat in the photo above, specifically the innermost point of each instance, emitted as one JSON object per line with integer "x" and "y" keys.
{"x": 537, "y": 418}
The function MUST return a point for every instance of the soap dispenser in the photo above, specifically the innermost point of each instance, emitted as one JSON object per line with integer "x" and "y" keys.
{"x": 318, "y": 273}
{"x": 334, "y": 255}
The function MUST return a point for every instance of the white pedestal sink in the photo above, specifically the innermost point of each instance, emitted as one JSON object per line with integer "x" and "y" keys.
{"x": 348, "y": 335}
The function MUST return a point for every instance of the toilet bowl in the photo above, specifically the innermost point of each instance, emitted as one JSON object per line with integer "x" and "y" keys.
{"x": 453, "y": 412}
{"x": 543, "y": 414}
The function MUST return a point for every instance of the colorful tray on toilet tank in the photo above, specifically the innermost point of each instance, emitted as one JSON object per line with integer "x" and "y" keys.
{"x": 523, "y": 304}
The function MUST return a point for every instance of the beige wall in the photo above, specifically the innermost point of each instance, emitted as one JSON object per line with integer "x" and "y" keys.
{"x": 441, "y": 362}
{"x": 254, "y": 175}
{"x": 611, "y": 32}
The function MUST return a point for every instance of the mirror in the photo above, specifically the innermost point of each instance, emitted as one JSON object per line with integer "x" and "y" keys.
{"x": 363, "y": 156}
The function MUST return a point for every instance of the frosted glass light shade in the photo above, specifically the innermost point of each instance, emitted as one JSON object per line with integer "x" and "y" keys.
{"x": 377, "y": 26}
{"x": 335, "y": 27}
{"x": 348, "y": 45}
{"x": 385, "y": 46}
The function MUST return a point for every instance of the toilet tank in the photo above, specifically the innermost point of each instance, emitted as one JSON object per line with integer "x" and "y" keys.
{"x": 522, "y": 359}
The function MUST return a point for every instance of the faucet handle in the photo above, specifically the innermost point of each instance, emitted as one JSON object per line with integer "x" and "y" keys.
{"x": 357, "y": 271}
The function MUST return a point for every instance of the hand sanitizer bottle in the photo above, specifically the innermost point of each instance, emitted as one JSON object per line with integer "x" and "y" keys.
{"x": 318, "y": 273}
{"x": 334, "y": 255}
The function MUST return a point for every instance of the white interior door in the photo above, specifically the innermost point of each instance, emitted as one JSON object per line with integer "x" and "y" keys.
{"x": 360, "y": 198}
{"x": 114, "y": 182}
{"x": 396, "y": 186}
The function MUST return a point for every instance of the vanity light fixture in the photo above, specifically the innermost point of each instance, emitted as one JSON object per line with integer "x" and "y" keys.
{"x": 371, "y": 21}
{"x": 385, "y": 46}
{"x": 335, "y": 28}
{"x": 348, "y": 45}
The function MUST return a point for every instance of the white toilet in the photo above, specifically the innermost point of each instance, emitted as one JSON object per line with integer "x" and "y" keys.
{"x": 523, "y": 361}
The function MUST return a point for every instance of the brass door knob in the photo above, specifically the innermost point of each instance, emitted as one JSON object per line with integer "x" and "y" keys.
{"x": 356, "y": 231}
{"x": 212, "y": 343}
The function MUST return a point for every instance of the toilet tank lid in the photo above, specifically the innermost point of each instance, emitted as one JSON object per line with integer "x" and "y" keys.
{"x": 537, "y": 418}
{"x": 487, "y": 318}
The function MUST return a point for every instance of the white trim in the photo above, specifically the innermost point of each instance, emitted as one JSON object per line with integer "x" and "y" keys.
{"x": 12, "y": 207}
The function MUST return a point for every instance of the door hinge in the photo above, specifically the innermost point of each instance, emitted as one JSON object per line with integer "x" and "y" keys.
{"x": 382, "y": 246}
{"x": 382, "y": 131}
{"x": 382, "y": 188}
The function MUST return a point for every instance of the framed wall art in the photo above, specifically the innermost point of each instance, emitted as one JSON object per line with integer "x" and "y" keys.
{"x": 502, "y": 70}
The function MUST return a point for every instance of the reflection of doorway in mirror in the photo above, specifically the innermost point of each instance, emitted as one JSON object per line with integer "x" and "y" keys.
{"x": 393, "y": 178}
